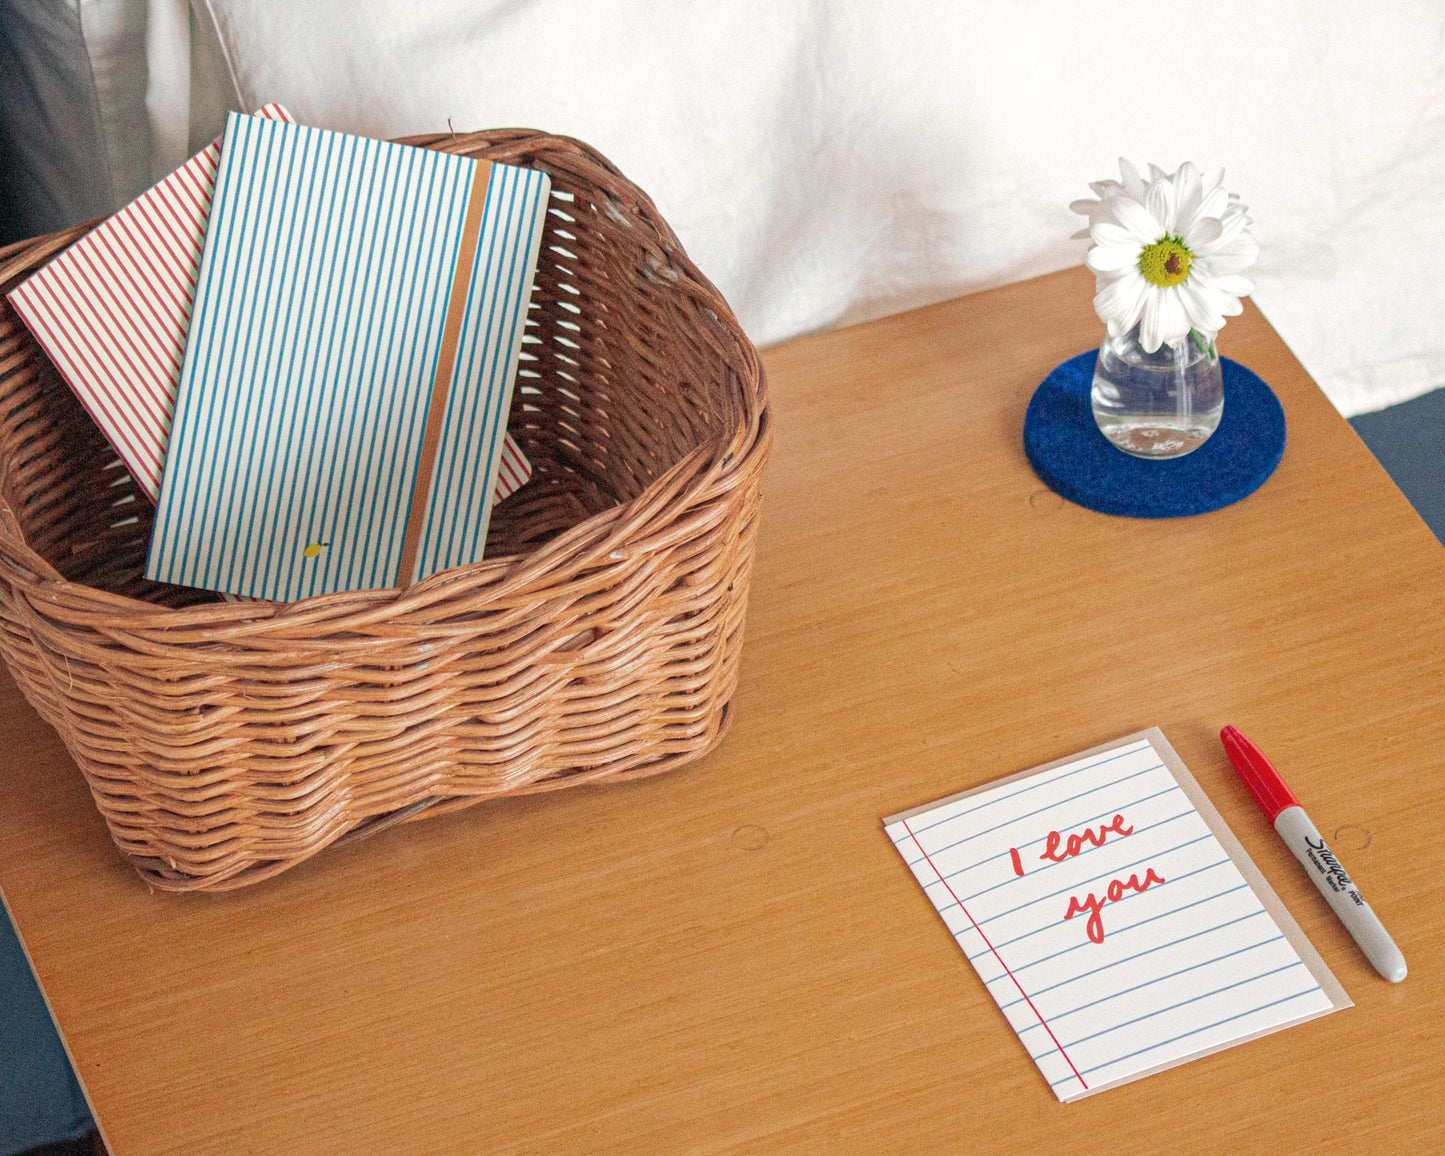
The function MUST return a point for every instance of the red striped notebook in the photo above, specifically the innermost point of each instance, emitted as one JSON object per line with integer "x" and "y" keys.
{"x": 113, "y": 311}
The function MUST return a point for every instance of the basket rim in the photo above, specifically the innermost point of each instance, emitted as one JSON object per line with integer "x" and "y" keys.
{"x": 610, "y": 538}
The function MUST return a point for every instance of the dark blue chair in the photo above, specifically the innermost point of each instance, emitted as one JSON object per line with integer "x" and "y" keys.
{"x": 40, "y": 1099}
{"x": 1409, "y": 441}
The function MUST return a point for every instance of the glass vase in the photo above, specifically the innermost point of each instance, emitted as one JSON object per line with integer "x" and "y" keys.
{"x": 1157, "y": 405}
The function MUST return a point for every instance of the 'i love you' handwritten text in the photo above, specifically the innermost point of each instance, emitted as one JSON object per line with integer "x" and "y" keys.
{"x": 1058, "y": 849}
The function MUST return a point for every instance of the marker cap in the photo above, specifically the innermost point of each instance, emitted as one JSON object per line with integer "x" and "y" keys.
{"x": 1263, "y": 781}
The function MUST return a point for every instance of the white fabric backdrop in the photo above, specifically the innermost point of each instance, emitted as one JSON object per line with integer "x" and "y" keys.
{"x": 825, "y": 161}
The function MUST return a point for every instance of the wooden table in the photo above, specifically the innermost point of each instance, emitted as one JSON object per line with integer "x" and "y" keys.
{"x": 732, "y": 958}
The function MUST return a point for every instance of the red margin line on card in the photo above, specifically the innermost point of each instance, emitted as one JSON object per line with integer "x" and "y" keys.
{"x": 1043, "y": 1022}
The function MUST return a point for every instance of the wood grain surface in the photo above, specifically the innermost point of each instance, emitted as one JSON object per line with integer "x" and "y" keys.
{"x": 732, "y": 958}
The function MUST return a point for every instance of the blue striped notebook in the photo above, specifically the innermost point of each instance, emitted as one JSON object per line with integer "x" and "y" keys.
{"x": 1112, "y": 915}
{"x": 348, "y": 373}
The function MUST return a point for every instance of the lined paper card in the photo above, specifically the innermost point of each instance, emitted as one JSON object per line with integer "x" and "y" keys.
{"x": 112, "y": 313}
{"x": 1112, "y": 915}
{"x": 343, "y": 398}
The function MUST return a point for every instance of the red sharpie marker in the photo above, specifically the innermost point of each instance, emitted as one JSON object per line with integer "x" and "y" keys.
{"x": 1319, "y": 862}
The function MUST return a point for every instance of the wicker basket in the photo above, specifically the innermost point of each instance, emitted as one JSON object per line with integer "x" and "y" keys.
{"x": 600, "y": 639}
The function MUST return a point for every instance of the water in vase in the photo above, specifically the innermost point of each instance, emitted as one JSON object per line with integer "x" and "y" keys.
{"x": 1157, "y": 405}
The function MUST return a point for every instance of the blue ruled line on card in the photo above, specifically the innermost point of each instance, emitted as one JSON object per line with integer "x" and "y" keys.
{"x": 974, "y": 834}
{"x": 1073, "y": 884}
{"x": 1128, "y": 898}
{"x": 1059, "y": 1014}
{"x": 1008, "y": 796}
{"x": 1036, "y": 868}
{"x": 1149, "y": 951}
{"x": 1312, "y": 990}
{"x": 1055, "y": 957}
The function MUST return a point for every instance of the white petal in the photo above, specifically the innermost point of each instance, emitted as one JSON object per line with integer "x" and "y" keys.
{"x": 1083, "y": 208}
{"x": 1232, "y": 283}
{"x": 1198, "y": 310}
{"x": 1212, "y": 203}
{"x": 1149, "y": 332}
{"x": 1212, "y": 179}
{"x": 1117, "y": 292}
{"x": 1235, "y": 257}
{"x": 1225, "y": 304}
{"x": 1160, "y": 203}
{"x": 1232, "y": 224}
{"x": 1188, "y": 194}
{"x": 1220, "y": 300}
{"x": 1133, "y": 185}
{"x": 1200, "y": 234}
{"x": 1111, "y": 258}
{"x": 1081, "y": 235}
{"x": 1108, "y": 233}
{"x": 1120, "y": 302}
{"x": 1233, "y": 248}
{"x": 1173, "y": 320}
{"x": 1137, "y": 219}
{"x": 1156, "y": 173}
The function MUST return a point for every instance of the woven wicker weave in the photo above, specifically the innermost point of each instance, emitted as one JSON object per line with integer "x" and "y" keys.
{"x": 600, "y": 639}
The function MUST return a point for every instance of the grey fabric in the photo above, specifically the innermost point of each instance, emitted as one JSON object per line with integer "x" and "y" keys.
{"x": 213, "y": 89}
{"x": 74, "y": 132}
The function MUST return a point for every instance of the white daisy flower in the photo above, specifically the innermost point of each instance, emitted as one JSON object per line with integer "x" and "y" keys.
{"x": 1168, "y": 253}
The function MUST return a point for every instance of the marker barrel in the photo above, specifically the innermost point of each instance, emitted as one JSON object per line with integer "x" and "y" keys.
{"x": 1340, "y": 892}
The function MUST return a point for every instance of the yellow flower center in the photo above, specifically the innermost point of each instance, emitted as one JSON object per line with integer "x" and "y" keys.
{"x": 1166, "y": 262}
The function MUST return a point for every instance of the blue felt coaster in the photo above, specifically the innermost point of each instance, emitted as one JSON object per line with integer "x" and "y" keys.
{"x": 1074, "y": 459}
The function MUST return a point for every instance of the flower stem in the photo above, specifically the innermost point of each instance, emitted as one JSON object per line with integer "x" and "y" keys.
{"x": 1184, "y": 392}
